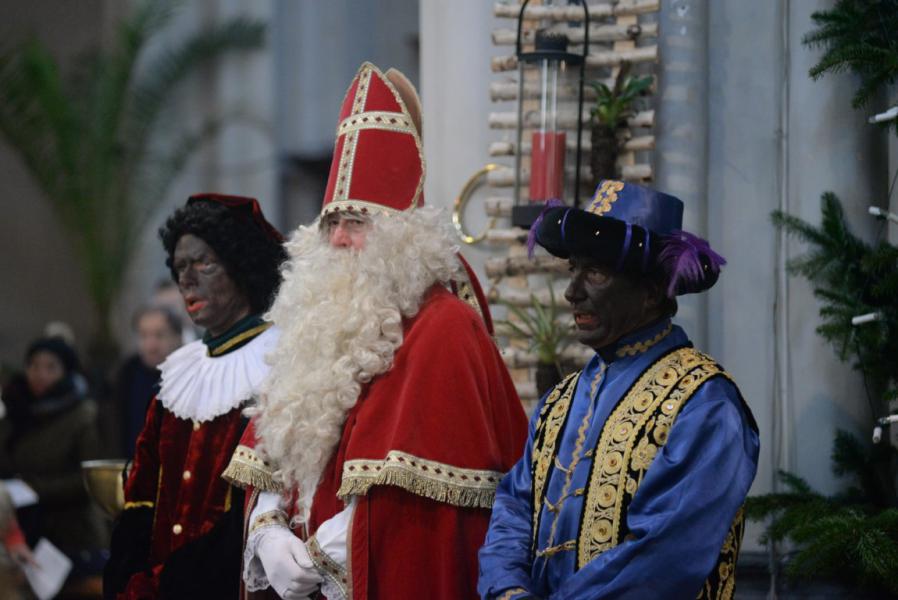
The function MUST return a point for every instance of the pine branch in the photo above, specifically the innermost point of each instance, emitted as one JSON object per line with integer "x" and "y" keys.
{"x": 857, "y": 36}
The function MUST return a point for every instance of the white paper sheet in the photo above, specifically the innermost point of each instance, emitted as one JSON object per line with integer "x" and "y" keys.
{"x": 20, "y": 492}
{"x": 48, "y": 573}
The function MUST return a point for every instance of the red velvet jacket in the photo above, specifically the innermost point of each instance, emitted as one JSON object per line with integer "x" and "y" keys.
{"x": 181, "y": 527}
{"x": 177, "y": 471}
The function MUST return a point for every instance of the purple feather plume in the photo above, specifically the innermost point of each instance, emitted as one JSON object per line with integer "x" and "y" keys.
{"x": 681, "y": 258}
{"x": 531, "y": 237}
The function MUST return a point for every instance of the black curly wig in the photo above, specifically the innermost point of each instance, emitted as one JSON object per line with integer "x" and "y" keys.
{"x": 251, "y": 256}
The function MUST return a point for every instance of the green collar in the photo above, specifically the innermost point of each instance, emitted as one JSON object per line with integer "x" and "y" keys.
{"x": 240, "y": 334}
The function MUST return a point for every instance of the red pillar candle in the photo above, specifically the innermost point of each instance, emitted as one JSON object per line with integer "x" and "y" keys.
{"x": 547, "y": 165}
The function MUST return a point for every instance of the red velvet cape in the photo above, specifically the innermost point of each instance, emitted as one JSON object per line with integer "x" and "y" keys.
{"x": 448, "y": 399}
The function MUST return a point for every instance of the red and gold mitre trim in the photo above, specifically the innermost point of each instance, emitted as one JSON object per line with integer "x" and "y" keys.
{"x": 378, "y": 162}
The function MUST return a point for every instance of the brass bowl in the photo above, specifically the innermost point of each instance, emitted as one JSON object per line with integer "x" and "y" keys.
{"x": 103, "y": 480}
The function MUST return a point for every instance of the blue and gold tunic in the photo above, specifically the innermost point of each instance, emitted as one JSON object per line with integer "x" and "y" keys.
{"x": 631, "y": 483}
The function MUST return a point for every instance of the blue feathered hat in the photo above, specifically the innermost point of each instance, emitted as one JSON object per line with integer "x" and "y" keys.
{"x": 631, "y": 228}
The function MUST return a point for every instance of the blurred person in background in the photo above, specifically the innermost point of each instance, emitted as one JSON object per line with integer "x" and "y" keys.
{"x": 158, "y": 335}
{"x": 51, "y": 426}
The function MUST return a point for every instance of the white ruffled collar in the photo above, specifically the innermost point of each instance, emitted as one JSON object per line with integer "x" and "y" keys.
{"x": 200, "y": 387}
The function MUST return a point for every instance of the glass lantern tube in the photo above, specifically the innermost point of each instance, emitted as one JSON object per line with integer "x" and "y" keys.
{"x": 548, "y": 144}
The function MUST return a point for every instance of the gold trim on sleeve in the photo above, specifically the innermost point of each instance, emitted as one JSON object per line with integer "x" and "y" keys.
{"x": 329, "y": 569}
{"x": 509, "y": 594}
{"x": 430, "y": 479}
{"x": 272, "y": 518}
{"x": 248, "y": 469}
{"x": 139, "y": 504}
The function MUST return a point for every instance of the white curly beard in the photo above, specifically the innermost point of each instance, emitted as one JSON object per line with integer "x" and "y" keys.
{"x": 340, "y": 314}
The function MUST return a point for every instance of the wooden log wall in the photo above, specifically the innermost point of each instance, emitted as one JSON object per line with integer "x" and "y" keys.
{"x": 620, "y": 31}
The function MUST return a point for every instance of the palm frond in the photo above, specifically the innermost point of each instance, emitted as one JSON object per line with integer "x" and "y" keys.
{"x": 86, "y": 138}
{"x": 153, "y": 92}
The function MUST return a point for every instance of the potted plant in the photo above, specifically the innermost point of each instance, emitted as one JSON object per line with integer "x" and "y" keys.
{"x": 608, "y": 116}
{"x": 547, "y": 335}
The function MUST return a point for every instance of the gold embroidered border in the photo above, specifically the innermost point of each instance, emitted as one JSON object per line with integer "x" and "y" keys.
{"x": 605, "y": 196}
{"x": 639, "y": 347}
{"x": 139, "y": 504}
{"x": 387, "y": 121}
{"x": 434, "y": 480}
{"x": 347, "y": 158}
{"x": 329, "y": 568}
{"x": 609, "y": 479}
{"x": 721, "y": 583}
{"x": 249, "y": 333}
{"x": 272, "y": 518}
{"x": 349, "y": 562}
{"x": 248, "y": 469}
{"x": 361, "y": 207}
{"x": 466, "y": 293}
{"x": 509, "y": 594}
{"x": 549, "y": 425}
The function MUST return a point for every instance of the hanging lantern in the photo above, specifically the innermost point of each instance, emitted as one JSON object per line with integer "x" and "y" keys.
{"x": 557, "y": 70}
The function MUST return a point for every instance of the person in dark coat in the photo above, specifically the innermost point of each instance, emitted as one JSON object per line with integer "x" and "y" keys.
{"x": 51, "y": 426}
{"x": 158, "y": 335}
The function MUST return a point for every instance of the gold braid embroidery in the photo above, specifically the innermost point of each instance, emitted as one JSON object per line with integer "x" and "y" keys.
{"x": 684, "y": 369}
{"x": 605, "y": 196}
{"x": 576, "y": 455}
{"x": 549, "y": 425}
{"x": 721, "y": 584}
{"x": 639, "y": 347}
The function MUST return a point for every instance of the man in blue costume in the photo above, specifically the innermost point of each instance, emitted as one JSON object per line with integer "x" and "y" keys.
{"x": 636, "y": 468}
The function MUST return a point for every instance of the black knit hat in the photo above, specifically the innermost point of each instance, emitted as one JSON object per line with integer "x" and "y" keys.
{"x": 58, "y": 348}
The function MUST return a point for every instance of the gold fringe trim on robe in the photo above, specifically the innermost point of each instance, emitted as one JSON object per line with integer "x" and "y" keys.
{"x": 247, "y": 469}
{"x": 470, "y": 488}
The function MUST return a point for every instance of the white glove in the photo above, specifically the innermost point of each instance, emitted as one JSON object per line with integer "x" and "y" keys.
{"x": 287, "y": 564}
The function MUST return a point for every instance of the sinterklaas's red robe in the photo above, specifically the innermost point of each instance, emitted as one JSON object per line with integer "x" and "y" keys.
{"x": 423, "y": 451}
